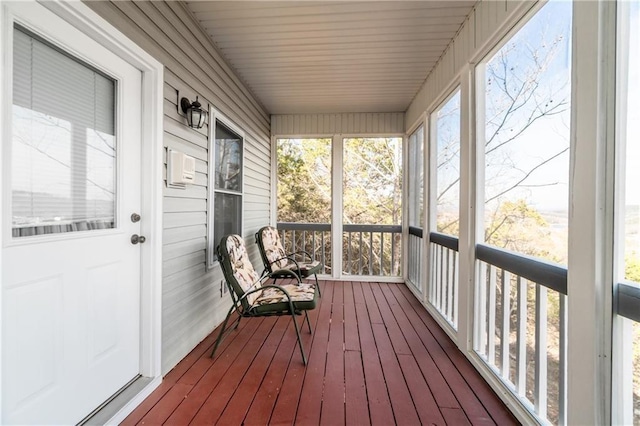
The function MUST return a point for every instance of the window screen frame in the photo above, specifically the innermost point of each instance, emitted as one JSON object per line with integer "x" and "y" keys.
{"x": 214, "y": 117}
{"x": 450, "y": 93}
{"x": 415, "y": 185}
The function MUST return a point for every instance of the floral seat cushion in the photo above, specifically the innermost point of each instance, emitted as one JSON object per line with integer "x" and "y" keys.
{"x": 298, "y": 292}
{"x": 277, "y": 257}
{"x": 302, "y": 295}
{"x": 252, "y": 298}
{"x": 243, "y": 271}
{"x": 273, "y": 248}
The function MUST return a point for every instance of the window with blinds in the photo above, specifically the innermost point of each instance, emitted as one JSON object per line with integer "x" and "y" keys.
{"x": 63, "y": 162}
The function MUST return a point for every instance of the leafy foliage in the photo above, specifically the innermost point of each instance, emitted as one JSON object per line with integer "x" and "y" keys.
{"x": 304, "y": 180}
{"x": 372, "y": 195}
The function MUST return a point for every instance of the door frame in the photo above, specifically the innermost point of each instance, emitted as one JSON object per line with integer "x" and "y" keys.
{"x": 90, "y": 23}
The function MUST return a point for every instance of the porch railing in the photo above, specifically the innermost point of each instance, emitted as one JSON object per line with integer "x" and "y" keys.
{"x": 520, "y": 319}
{"x": 369, "y": 250}
{"x": 414, "y": 260}
{"x": 314, "y": 238}
{"x": 443, "y": 276}
{"x": 521, "y": 309}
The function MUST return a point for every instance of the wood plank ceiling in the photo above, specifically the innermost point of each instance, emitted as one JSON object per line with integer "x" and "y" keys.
{"x": 332, "y": 56}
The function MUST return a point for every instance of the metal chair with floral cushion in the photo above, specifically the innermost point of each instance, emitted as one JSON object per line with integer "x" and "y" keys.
{"x": 279, "y": 264}
{"x": 253, "y": 298}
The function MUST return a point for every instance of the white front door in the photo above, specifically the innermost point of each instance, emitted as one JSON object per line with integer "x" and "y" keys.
{"x": 71, "y": 274}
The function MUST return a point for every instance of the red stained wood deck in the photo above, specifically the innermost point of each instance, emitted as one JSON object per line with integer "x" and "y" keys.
{"x": 375, "y": 357}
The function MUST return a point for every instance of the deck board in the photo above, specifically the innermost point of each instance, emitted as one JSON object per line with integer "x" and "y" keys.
{"x": 440, "y": 389}
{"x": 222, "y": 362}
{"x": 471, "y": 405}
{"x": 351, "y": 337}
{"x": 237, "y": 408}
{"x": 219, "y": 396}
{"x": 265, "y": 398}
{"x": 356, "y": 405}
{"x": 334, "y": 390}
{"x": 310, "y": 402}
{"x": 375, "y": 357}
{"x": 377, "y": 393}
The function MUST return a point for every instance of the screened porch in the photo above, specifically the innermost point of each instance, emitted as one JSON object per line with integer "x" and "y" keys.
{"x": 466, "y": 172}
{"x": 498, "y": 198}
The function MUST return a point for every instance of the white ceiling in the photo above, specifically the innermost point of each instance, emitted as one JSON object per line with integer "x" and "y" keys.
{"x": 332, "y": 56}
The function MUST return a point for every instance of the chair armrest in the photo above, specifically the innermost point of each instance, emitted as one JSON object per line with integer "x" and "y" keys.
{"x": 289, "y": 272}
{"x": 306, "y": 253}
{"x": 283, "y": 270}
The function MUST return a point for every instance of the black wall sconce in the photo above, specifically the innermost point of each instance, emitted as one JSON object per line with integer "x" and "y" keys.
{"x": 196, "y": 116}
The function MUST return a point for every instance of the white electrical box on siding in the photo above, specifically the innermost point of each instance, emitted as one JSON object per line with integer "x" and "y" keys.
{"x": 181, "y": 169}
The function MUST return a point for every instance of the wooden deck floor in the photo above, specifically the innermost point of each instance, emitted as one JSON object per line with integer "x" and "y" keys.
{"x": 375, "y": 357}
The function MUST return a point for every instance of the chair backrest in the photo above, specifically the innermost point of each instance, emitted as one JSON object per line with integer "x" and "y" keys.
{"x": 271, "y": 249}
{"x": 237, "y": 268}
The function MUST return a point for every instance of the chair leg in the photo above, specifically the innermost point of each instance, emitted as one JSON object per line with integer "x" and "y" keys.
{"x": 295, "y": 325}
{"x": 219, "y": 339}
{"x": 308, "y": 322}
{"x": 317, "y": 285}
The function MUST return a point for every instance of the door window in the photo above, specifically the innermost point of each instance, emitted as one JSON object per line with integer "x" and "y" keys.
{"x": 63, "y": 161}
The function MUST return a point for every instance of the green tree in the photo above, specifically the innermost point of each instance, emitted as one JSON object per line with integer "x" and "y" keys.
{"x": 372, "y": 195}
{"x": 304, "y": 180}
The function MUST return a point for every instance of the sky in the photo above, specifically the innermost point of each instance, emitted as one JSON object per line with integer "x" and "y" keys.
{"x": 546, "y": 188}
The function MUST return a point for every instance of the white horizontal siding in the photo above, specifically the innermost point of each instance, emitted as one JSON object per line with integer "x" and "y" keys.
{"x": 328, "y": 124}
{"x": 489, "y": 21}
{"x": 192, "y": 304}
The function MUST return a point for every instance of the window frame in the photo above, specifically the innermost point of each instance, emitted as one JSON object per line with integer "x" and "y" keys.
{"x": 214, "y": 117}
{"x": 416, "y": 186}
{"x": 452, "y": 90}
{"x": 478, "y": 73}
{"x": 479, "y": 66}
{"x": 57, "y": 46}
{"x": 624, "y": 290}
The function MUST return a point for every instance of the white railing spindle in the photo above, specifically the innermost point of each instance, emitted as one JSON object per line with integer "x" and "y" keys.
{"x": 562, "y": 385}
{"x": 491, "y": 318}
{"x": 505, "y": 350}
{"x": 540, "y": 395}
{"x": 456, "y": 281}
{"x": 521, "y": 342}
{"x": 449, "y": 283}
{"x": 481, "y": 309}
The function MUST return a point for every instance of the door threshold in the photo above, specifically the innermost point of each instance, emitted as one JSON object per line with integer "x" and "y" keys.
{"x": 123, "y": 402}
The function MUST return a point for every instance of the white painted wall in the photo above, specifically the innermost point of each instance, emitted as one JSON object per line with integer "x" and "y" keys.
{"x": 330, "y": 124}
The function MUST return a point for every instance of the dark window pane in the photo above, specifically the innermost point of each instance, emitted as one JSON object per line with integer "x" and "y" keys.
{"x": 227, "y": 215}
{"x": 228, "y": 159}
